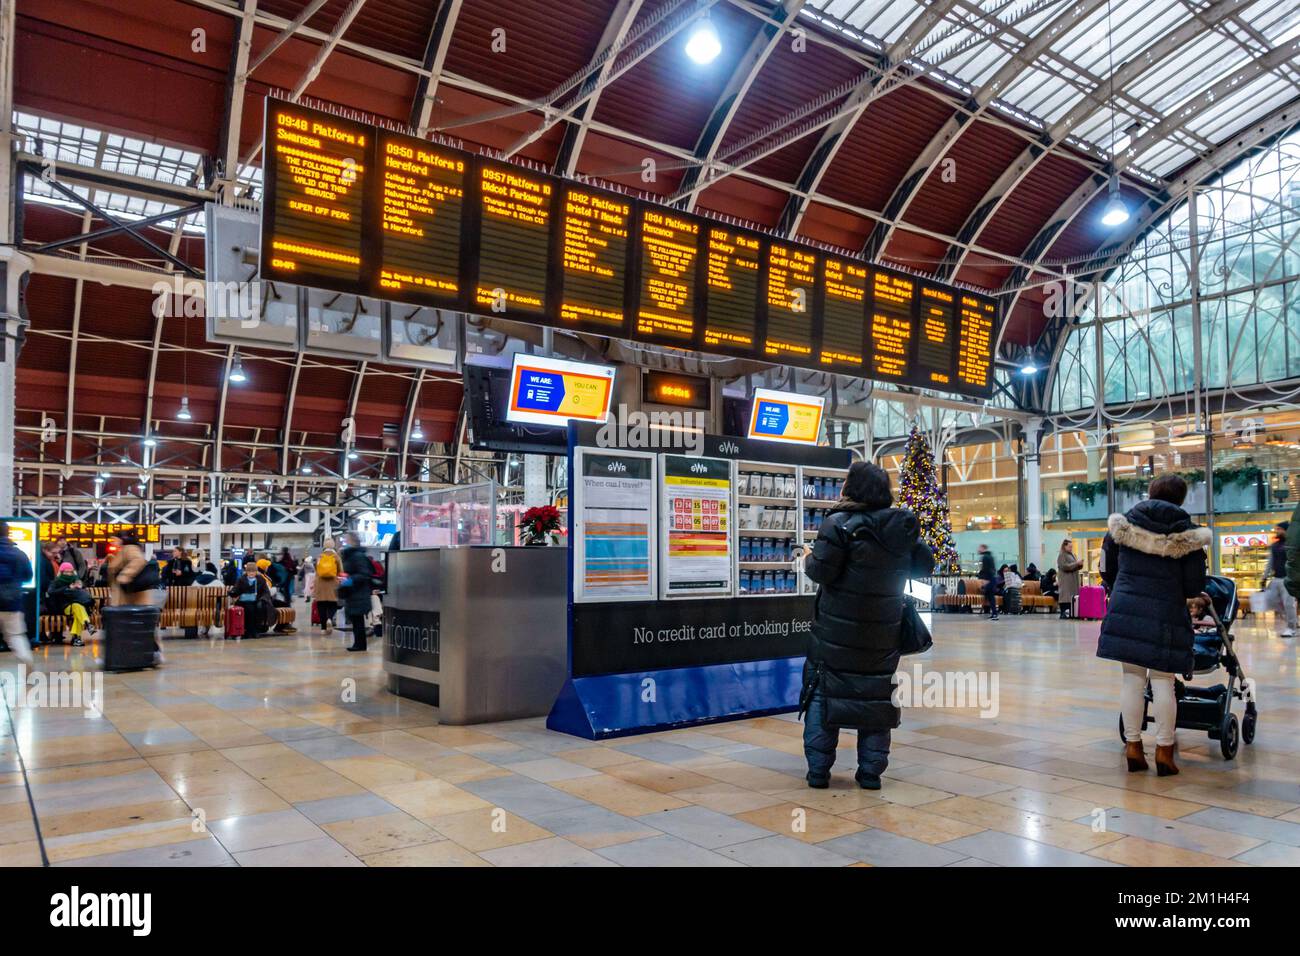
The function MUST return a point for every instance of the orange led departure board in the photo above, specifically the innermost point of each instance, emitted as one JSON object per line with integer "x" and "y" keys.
{"x": 934, "y": 339}
{"x": 514, "y": 240}
{"x": 317, "y": 164}
{"x": 422, "y": 190}
{"x": 975, "y": 346}
{"x": 670, "y": 244}
{"x": 363, "y": 210}
{"x": 731, "y": 300}
{"x": 595, "y": 227}
{"x": 844, "y": 301}
{"x": 791, "y": 281}
{"x": 891, "y": 326}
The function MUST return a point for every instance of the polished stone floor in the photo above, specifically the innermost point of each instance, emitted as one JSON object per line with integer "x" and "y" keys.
{"x": 287, "y": 751}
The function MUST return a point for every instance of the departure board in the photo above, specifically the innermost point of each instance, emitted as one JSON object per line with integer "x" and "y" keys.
{"x": 669, "y": 246}
{"x": 935, "y": 337}
{"x": 514, "y": 240}
{"x": 731, "y": 299}
{"x": 844, "y": 312}
{"x": 977, "y": 316}
{"x": 891, "y": 326}
{"x": 317, "y": 164}
{"x": 422, "y": 202}
{"x": 791, "y": 282}
{"x": 363, "y": 210}
{"x": 594, "y": 260}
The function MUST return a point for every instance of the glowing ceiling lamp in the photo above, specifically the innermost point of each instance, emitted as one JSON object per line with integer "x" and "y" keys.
{"x": 184, "y": 413}
{"x": 237, "y": 371}
{"x": 704, "y": 44}
{"x": 1115, "y": 213}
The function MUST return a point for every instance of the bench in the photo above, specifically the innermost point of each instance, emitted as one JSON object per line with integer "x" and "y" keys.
{"x": 194, "y": 607}
{"x": 55, "y": 625}
{"x": 955, "y": 600}
{"x": 1032, "y": 596}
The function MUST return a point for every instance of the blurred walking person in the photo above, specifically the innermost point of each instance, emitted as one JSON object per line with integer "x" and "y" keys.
{"x": 15, "y": 571}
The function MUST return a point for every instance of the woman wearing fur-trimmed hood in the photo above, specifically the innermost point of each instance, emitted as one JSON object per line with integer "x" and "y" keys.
{"x": 1154, "y": 562}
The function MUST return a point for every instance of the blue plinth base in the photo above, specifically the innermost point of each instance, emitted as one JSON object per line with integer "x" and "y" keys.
{"x": 616, "y": 705}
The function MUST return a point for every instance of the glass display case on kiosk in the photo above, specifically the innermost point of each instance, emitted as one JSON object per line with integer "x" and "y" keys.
{"x": 454, "y": 517}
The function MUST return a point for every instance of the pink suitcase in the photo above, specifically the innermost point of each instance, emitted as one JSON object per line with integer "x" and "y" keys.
{"x": 1091, "y": 603}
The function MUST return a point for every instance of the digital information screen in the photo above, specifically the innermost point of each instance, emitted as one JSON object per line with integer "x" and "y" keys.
{"x": 936, "y": 337}
{"x": 786, "y": 417}
{"x": 422, "y": 190}
{"x": 316, "y": 164}
{"x": 594, "y": 258}
{"x": 975, "y": 344}
{"x": 731, "y": 301}
{"x": 844, "y": 312}
{"x": 546, "y": 391}
{"x": 669, "y": 245}
{"x": 791, "y": 282}
{"x": 670, "y": 388}
{"x": 514, "y": 240}
{"x": 891, "y": 326}
{"x": 361, "y": 210}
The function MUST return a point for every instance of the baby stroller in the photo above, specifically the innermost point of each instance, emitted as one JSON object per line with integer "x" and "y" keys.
{"x": 1210, "y": 708}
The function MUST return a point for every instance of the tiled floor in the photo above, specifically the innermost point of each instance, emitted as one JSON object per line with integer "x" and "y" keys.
{"x": 287, "y": 751}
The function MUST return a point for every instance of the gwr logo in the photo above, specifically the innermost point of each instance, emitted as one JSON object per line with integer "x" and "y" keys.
{"x": 617, "y": 467}
{"x": 699, "y": 467}
{"x": 729, "y": 448}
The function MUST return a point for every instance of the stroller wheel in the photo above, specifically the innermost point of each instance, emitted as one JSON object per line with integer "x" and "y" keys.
{"x": 1248, "y": 727}
{"x": 1229, "y": 736}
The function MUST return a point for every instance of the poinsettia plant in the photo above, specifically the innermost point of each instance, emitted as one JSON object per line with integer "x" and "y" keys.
{"x": 539, "y": 522}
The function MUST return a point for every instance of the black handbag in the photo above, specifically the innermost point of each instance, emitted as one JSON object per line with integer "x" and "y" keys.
{"x": 913, "y": 636}
{"x": 146, "y": 580}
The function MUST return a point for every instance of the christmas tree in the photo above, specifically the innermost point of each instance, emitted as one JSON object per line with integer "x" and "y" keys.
{"x": 920, "y": 494}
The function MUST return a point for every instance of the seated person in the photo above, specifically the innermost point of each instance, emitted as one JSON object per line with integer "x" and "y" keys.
{"x": 68, "y": 596}
{"x": 252, "y": 593}
{"x": 1047, "y": 586}
{"x": 1199, "y": 608}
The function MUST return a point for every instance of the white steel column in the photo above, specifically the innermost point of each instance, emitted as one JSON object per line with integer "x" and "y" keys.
{"x": 12, "y": 263}
{"x": 1033, "y": 494}
{"x": 214, "y": 530}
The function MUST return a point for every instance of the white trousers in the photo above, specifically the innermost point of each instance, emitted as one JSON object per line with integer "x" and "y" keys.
{"x": 1164, "y": 708}
{"x": 13, "y": 624}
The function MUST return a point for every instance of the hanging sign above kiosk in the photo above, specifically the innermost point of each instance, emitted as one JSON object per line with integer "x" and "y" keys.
{"x": 786, "y": 417}
{"x": 546, "y": 391}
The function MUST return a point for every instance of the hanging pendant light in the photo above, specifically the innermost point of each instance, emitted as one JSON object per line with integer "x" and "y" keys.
{"x": 184, "y": 413}
{"x": 417, "y": 433}
{"x": 237, "y": 371}
{"x": 704, "y": 45}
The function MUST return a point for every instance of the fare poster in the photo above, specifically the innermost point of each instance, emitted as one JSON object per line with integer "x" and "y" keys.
{"x": 696, "y": 515}
{"x": 615, "y": 502}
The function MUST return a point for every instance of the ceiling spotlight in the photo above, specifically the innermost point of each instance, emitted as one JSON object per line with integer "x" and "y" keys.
{"x": 1029, "y": 368}
{"x": 417, "y": 433}
{"x": 1115, "y": 213}
{"x": 704, "y": 46}
{"x": 306, "y": 469}
{"x": 237, "y": 370}
{"x": 352, "y": 454}
{"x": 105, "y": 474}
{"x": 184, "y": 413}
{"x": 149, "y": 441}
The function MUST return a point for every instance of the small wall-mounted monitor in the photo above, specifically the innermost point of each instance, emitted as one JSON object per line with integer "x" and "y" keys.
{"x": 547, "y": 391}
{"x": 786, "y": 417}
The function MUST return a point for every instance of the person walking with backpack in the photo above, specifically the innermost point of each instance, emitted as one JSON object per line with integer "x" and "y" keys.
{"x": 865, "y": 553}
{"x": 15, "y": 571}
{"x": 325, "y": 590}
{"x": 355, "y": 587}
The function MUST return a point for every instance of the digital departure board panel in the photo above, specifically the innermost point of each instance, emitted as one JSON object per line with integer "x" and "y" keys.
{"x": 844, "y": 313}
{"x": 791, "y": 282}
{"x": 355, "y": 208}
{"x": 668, "y": 251}
{"x": 731, "y": 306}
{"x": 595, "y": 242}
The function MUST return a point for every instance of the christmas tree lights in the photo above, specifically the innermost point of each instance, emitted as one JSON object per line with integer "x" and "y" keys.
{"x": 919, "y": 492}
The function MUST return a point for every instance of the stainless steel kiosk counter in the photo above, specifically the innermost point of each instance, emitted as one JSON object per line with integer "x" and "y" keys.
{"x": 479, "y": 632}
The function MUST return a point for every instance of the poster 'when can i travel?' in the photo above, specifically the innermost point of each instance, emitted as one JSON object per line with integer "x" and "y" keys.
{"x": 696, "y": 515}
{"x": 617, "y": 513}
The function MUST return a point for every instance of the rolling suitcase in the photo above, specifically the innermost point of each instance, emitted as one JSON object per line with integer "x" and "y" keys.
{"x": 130, "y": 637}
{"x": 234, "y": 621}
{"x": 1091, "y": 603}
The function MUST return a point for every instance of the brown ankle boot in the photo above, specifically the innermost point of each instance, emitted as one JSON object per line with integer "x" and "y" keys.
{"x": 1137, "y": 760}
{"x": 1165, "y": 766}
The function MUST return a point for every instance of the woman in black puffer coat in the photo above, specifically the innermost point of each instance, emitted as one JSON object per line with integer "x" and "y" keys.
{"x": 864, "y": 554}
{"x": 1154, "y": 561}
{"x": 359, "y": 585}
